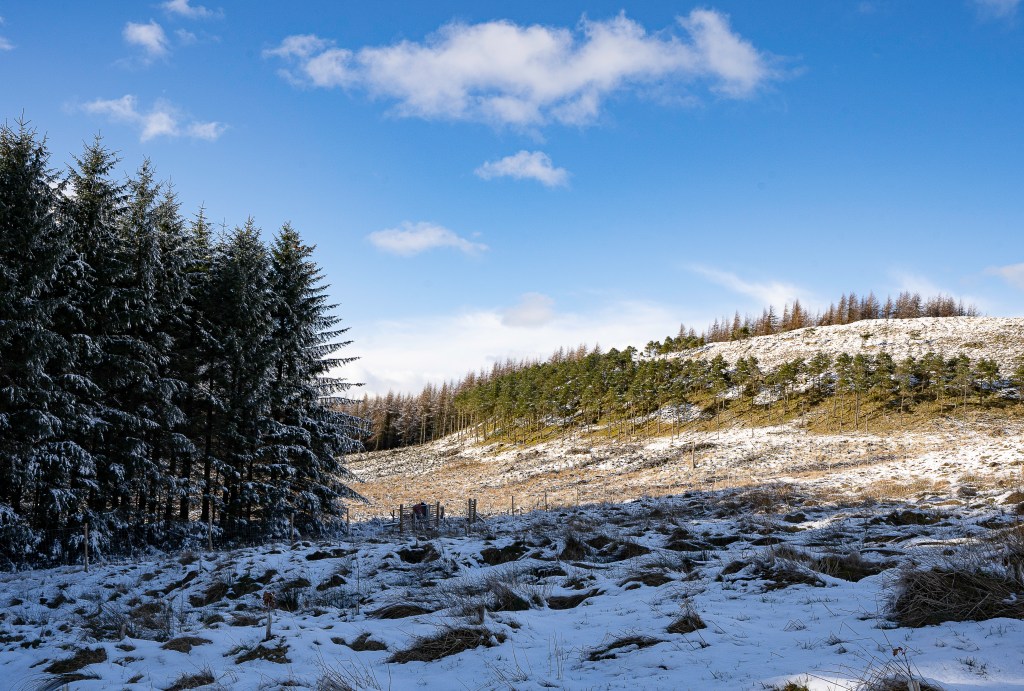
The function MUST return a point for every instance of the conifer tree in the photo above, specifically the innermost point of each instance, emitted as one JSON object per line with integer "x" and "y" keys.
{"x": 311, "y": 431}
{"x": 44, "y": 474}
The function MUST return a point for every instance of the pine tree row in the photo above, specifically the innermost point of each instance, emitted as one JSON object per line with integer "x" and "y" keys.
{"x": 625, "y": 394}
{"x": 154, "y": 375}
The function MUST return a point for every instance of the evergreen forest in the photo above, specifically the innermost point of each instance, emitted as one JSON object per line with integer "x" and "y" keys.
{"x": 158, "y": 378}
{"x": 662, "y": 389}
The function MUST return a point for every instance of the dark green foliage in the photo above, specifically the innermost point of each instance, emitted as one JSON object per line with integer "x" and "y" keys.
{"x": 148, "y": 371}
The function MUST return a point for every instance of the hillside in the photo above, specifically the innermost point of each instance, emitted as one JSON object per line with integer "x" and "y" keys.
{"x": 723, "y": 553}
{"x": 996, "y": 338}
{"x": 714, "y": 441}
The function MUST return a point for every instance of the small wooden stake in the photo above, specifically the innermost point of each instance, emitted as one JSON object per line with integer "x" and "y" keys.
{"x": 85, "y": 548}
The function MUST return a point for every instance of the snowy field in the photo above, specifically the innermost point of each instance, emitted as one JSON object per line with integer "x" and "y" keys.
{"x": 944, "y": 455}
{"x": 726, "y": 589}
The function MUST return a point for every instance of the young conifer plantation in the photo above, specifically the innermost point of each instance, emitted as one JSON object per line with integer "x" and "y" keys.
{"x": 156, "y": 377}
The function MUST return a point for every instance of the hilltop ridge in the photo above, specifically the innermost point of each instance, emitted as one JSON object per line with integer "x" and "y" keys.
{"x": 996, "y": 338}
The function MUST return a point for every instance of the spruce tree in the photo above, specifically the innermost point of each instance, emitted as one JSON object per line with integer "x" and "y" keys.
{"x": 305, "y": 398}
{"x": 44, "y": 474}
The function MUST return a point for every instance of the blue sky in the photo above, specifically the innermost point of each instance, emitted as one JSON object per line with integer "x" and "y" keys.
{"x": 487, "y": 180}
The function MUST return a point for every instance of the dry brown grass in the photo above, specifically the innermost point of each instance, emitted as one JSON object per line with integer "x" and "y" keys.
{"x": 981, "y": 581}
{"x": 82, "y": 658}
{"x": 447, "y": 641}
{"x": 192, "y": 681}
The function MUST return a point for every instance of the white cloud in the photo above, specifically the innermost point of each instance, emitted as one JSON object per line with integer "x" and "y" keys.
{"x": 162, "y": 120}
{"x": 774, "y": 293}
{"x": 535, "y": 165}
{"x": 915, "y": 283}
{"x": 150, "y": 37}
{"x": 182, "y": 8}
{"x": 1012, "y": 274}
{"x": 4, "y": 43}
{"x": 413, "y": 238}
{"x": 533, "y": 309}
{"x": 403, "y": 355}
{"x": 298, "y": 46}
{"x": 927, "y": 288}
{"x": 997, "y": 9}
{"x": 507, "y": 74}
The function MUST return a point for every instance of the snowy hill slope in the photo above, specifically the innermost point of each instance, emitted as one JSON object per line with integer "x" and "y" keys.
{"x": 998, "y": 338}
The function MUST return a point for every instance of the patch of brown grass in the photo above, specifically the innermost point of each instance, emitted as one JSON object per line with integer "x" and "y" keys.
{"x": 277, "y": 654}
{"x": 82, "y": 658}
{"x": 612, "y": 650}
{"x": 446, "y": 642}
{"x": 184, "y": 644}
{"x": 192, "y": 681}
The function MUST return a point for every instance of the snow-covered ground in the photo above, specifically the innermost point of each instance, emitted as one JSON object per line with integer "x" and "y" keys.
{"x": 997, "y": 338}
{"x": 635, "y": 567}
{"x": 946, "y": 455}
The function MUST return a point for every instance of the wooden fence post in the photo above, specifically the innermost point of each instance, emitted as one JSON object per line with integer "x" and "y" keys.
{"x": 291, "y": 529}
{"x": 85, "y": 548}
{"x": 437, "y": 514}
{"x": 209, "y": 531}
{"x": 401, "y": 518}
{"x": 513, "y": 513}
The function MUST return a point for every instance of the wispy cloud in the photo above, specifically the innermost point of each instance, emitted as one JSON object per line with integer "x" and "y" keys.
{"x": 162, "y": 120}
{"x": 393, "y": 356}
{"x": 997, "y": 9}
{"x": 532, "y": 165}
{"x": 1011, "y": 273}
{"x": 150, "y": 37}
{"x": 183, "y": 8}
{"x": 532, "y": 310}
{"x": 413, "y": 238}
{"x": 4, "y": 43}
{"x": 775, "y": 293}
{"x": 507, "y": 74}
{"x": 912, "y": 282}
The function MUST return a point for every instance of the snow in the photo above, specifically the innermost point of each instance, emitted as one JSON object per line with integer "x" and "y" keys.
{"x": 996, "y": 338}
{"x": 827, "y": 637}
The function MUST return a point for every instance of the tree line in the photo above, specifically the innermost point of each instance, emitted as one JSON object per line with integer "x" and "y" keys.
{"x": 155, "y": 373}
{"x": 581, "y": 382}
{"x": 847, "y": 310}
{"x": 621, "y": 394}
